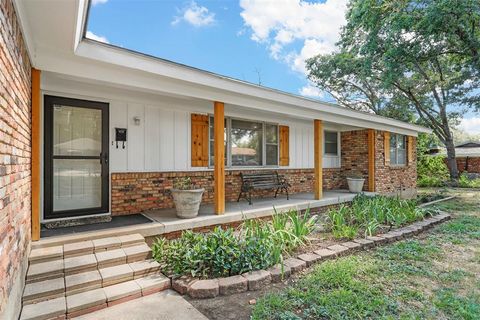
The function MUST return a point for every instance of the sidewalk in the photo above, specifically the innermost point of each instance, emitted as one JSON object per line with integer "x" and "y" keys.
{"x": 166, "y": 305}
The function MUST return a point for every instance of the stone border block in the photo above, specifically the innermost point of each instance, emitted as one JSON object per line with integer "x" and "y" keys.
{"x": 309, "y": 258}
{"x": 203, "y": 289}
{"x": 233, "y": 284}
{"x": 257, "y": 279}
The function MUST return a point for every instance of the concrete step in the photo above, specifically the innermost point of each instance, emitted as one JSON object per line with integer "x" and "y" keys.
{"x": 76, "y": 283}
{"x": 134, "y": 252}
{"x": 45, "y": 254}
{"x": 95, "y": 299}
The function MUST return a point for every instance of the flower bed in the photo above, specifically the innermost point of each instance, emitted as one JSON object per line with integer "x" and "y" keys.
{"x": 254, "y": 280}
{"x": 253, "y": 246}
{"x": 371, "y": 215}
{"x": 231, "y": 260}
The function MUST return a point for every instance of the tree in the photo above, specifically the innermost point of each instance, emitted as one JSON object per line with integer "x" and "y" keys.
{"x": 408, "y": 55}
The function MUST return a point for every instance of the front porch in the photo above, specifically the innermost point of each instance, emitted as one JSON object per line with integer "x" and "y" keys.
{"x": 166, "y": 223}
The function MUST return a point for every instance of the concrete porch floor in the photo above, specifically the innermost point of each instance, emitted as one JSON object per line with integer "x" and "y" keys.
{"x": 236, "y": 211}
{"x": 165, "y": 221}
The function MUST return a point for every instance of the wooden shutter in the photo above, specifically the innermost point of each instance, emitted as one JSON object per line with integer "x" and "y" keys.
{"x": 386, "y": 147}
{"x": 410, "y": 146}
{"x": 284, "y": 145}
{"x": 199, "y": 140}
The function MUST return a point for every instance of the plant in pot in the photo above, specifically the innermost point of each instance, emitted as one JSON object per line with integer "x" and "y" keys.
{"x": 186, "y": 197}
{"x": 355, "y": 183}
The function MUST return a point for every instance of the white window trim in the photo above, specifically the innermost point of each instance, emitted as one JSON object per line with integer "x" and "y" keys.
{"x": 228, "y": 163}
{"x": 331, "y": 157}
{"x": 396, "y": 164}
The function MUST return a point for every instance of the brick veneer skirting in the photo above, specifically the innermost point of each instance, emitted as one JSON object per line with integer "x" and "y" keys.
{"x": 15, "y": 155}
{"x": 138, "y": 192}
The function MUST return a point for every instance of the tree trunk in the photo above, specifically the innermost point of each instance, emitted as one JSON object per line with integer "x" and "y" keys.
{"x": 451, "y": 158}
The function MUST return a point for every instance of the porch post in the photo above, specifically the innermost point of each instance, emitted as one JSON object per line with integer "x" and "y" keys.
{"x": 318, "y": 157}
{"x": 371, "y": 160}
{"x": 35, "y": 156}
{"x": 219, "y": 157}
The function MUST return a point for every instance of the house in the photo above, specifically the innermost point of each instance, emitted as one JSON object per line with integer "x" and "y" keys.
{"x": 467, "y": 155}
{"x": 89, "y": 129}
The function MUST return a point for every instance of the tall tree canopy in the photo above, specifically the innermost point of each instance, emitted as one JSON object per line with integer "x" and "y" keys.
{"x": 399, "y": 56}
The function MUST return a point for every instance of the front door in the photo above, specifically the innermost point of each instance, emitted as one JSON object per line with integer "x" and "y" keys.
{"x": 76, "y": 157}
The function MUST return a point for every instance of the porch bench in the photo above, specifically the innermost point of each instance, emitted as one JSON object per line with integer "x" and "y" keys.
{"x": 262, "y": 181}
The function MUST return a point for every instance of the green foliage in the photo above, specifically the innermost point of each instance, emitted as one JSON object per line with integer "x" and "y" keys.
{"x": 465, "y": 182}
{"x": 399, "y": 56}
{"x": 334, "y": 290}
{"x": 432, "y": 171}
{"x": 371, "y": 214}
{"x": 224, "y": 252}
{"x": 457, "y": 307}
{"x": 183, "y": 183}
{"x": 422, "y": 278}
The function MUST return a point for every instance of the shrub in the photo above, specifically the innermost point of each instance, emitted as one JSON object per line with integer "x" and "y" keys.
{"x": 225, "y": 252}
{"x": 465, "y": 182}
{"x": 432, "y": 171}
{"x": 369, "y": 214}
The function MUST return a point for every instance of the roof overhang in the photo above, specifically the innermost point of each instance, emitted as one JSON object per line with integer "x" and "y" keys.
{"x": 54, "y": 31}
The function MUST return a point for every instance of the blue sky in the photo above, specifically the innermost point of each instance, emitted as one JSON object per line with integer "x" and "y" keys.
{"x": 252, "y": 40}
{"x": 264, "y": 41}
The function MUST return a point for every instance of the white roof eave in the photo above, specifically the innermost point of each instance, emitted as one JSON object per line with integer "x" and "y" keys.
{"x": 106, "y": 53}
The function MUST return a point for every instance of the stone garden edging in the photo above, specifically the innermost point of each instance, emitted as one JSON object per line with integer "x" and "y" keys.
{"x": 255, "y": 280}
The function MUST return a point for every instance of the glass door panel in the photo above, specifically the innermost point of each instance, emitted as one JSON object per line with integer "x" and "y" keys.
{"x": 76, "y": 157}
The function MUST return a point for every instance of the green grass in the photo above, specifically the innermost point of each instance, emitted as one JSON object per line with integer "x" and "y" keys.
{"x": 428, "y": 278}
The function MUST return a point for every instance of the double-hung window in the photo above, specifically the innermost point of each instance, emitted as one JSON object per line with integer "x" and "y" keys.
{"x": 248, "y": 143}
{"x": 398, "y": 150}
{"x": 331, "y": 143}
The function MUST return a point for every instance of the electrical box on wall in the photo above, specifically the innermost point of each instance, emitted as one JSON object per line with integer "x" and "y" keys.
{"x": 120, "y": 136}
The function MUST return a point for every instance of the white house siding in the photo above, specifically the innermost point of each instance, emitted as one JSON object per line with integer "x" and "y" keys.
{"x": 161, "y": 142}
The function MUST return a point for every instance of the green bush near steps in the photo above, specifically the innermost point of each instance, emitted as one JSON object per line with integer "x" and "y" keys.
{"x": 226, "y": 252}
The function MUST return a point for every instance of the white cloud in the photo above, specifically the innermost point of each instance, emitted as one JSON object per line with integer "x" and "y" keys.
{"x": 93, "y": 36}
{"x": 95, "y": 2}
{"x": 471, "y": 125}
{"x": 197, "y": 16}
{"x": 280, "y": 23}
{"x": 310, "y": 90}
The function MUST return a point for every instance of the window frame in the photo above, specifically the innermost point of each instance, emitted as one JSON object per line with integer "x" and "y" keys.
{"x": 395, "y": 157}
{"x": 228, "y": 127}
{"x": 325, "y": 154}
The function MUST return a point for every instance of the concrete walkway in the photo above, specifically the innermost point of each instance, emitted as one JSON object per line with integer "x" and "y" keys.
{"x": 166, "y": 305}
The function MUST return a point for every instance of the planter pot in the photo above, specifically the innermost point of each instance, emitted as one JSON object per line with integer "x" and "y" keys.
{"x": 187, "y": 202}
{"x": 355, "y": 185}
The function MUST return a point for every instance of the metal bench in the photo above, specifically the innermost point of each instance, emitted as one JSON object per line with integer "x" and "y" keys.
{"x": 262, "y": 181}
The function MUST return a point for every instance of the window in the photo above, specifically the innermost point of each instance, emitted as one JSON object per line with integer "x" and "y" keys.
{"x": 331, "y": 143}
{"x": 210, "y": 137}
{"x": 398, "y": 149}
{"x": 248, "y": 143}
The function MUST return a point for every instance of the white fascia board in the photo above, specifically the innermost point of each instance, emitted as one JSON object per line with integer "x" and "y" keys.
{"x": 125, "y": 58}
{"x": 26, "y": 29}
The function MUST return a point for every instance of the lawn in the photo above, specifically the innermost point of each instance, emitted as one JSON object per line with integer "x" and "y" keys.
{"x": 433, "y": 276}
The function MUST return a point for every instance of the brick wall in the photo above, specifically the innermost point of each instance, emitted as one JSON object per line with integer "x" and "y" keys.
{"x": 470, "y": 164}
{"x": 15, "y": 187}
{"x": 137, "y": 192}
{"x": 354, "y": 147}
{"x": 400, "y": 180}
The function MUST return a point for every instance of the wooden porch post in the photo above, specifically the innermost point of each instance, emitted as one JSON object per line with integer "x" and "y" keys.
{"x": 318, "y": 155}
{"x": 35, "y": 156}
{"x": 371, "y": 160}
{"x": 219, "y": 157}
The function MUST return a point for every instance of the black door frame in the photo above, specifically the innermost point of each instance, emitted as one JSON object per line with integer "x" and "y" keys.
{"x": 49, "y": 102}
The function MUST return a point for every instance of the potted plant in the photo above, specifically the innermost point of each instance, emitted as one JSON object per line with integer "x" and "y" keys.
{"x": 355, "y": 183}
{"x": 186, "y": 197}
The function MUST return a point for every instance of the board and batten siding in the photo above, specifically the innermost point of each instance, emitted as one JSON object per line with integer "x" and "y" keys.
{"x": 161, "y": 142}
